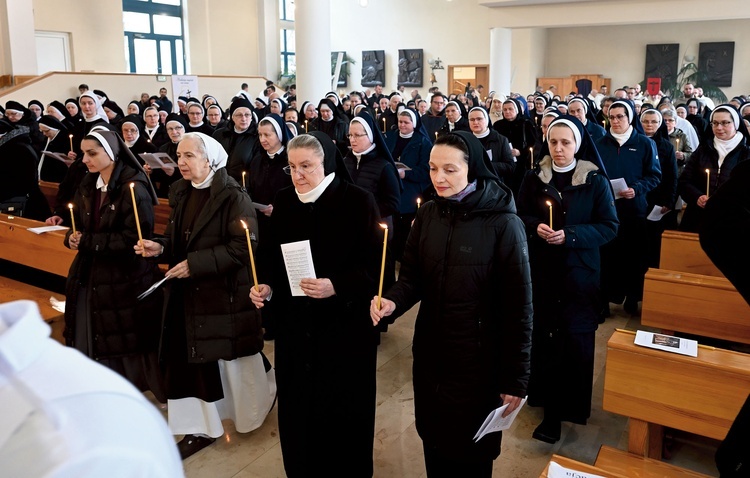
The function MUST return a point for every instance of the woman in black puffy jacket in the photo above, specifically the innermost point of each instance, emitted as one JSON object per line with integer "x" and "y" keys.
{"x": 466, "y": 260}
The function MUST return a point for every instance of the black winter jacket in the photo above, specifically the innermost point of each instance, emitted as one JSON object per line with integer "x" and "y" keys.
{"x": 220, "y": 320}
{"x": 241, "y": 147}
{"x": 377, "y": 175}
{"x": 468, "y": 263}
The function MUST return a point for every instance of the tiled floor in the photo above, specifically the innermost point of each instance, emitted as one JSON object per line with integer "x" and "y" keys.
{"x": 398, "y": 449}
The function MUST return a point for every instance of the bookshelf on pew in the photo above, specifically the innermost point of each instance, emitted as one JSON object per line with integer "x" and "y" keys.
{"x": 656, "y": 389}
{"x": 44, "y": 252}
{"x": 614, "y": 463}
{"x": 681, "y": 251}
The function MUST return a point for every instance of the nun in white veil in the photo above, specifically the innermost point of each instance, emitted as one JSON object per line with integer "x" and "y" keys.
{"x": 212, "y": 337}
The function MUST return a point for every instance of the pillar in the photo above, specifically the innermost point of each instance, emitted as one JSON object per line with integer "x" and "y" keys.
{"x": 500, "y": 60}
{"x": 18, "y": 42}
{"x": 313, "y": 49}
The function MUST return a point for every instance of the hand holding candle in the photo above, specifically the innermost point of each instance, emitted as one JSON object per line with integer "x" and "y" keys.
{"x": 135, "y": 213}
{"x": 72, "y": 218}
{"x": 252, "y": 257}
{"x": 382, "y": 264}
{"x": 549, "y": 203}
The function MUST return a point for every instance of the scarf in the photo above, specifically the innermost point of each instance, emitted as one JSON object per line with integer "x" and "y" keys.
{"x": 483, "y": 134}
{"x": 406, "y": 136}
{"x": 470, "y": 188}
{"x": 724, "y": 147}
{"x": 622, "y": 138}
{"x": 564, "y": 169}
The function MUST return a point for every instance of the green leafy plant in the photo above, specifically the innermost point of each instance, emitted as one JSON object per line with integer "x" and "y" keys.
{"x": 692, "y": 73}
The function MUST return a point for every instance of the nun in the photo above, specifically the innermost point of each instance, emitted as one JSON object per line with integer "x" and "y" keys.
{"x": 36, "y": 107}
{"x": 164, "y": 178}
{"x": 520, "y": 131}
{"x": 134, "y": 107}
{"x": 104, "y": 319}
{"x": 196, "y": 123}
{"x": 215, "y": 117}
{"x": 724, "y": 147}
{"x": 19, "y": 115}
{"x": 239, "y": 137}
{"x": 19, "y": 186}
{"x": 410, "y": 147}
{"x": 320, "y": 320}
{"x": 212, "y": 338}
{"x": 131, "y": 130}
{"x": 570, "y": 184}
{"x": 630, "y": 156}
{"x": 496, "y": 145}
{"x": 331, "y": 122}
{"x": 455, "y": 118}
{"x": 581, "y": 109}
{"x": 277, "y": 106}
{"x": 266, "y": 175}
{"x": 154, "y": 131}
{"x": 52, "y": 169}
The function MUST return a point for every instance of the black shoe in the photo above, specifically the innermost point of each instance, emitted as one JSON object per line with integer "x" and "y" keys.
{"x": 604, "y": 314}
{"x": 192, "y": 444}
{"x": 631, "y": 306}
{"x": 548, "y": 431}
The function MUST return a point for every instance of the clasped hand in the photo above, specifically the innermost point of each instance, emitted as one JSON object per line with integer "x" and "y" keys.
{"x": 550, "y": 235}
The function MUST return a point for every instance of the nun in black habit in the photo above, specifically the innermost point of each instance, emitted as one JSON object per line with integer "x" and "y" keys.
{"x": 519, "y": 130}
{"x": 332, "y": 123}
{"x": 326, "y": 403}
{"x": 131, "y": 130}
{"x": 239, "y": 137}
{"x": 571, "y": 183}
{"x": 455, "y": 118}
{"x": 50, "y": 168}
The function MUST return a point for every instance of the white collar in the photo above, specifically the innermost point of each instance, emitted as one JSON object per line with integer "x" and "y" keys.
{"x": 406, "y": 136}
{"x": 279, "y": 151}
{"x": 359, "y": 155}
{"x": 100, "y": 184}
{"x": 484, "y": 134}
{"x": 564, "y": 169}
{"x": 313, "y": 195}
{"x": 206, "y": 183}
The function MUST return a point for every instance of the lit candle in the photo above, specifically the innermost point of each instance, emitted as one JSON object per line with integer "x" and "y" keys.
{"x": 436, "y": 134}
{"x": 70, "y": 137}
{"x": 252, "y": 258}
{"x": 382, "y": 264}
{"x": 383, "y": 125}
{"x": 531, "y": 157}
{"x": 72, "y": 218}
{"x": 604, "y": 123}
{"x": 708, "y": 181}
{"x": 135, "y": 213}
{"x": 244, "y": 184}
{"x": 550, "y": 214}
{"x": 306, "y": 126}
{"x": 678, "y": 144}
{"x": 419, "y": 202}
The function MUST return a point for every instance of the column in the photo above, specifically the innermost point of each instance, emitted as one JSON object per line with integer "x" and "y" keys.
{"x": 268, "y": 31}
{"x": 18, "y": 39}
{"x": 500, "y": 60}
{"x": 529, "y": 51}
{"x": 313, "y": 49}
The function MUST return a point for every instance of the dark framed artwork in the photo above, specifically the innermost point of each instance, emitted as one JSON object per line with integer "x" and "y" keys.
{"x": 410, "y": 67}
{"x": 344, "y": 72}
{"x": 717, "y": 61}
{"x": 662, "y": 62}
{"x": 373, "y": 67}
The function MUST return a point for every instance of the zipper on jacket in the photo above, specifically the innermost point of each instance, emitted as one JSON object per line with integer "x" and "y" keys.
{"x": 193, "y": 354}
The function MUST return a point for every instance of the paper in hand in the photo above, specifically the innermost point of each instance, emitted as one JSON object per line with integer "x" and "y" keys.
{"x": 299, "y": 264}
{"x": 495, "y": 421}
{"x": 618, "y": 185}
{"x": 400, "y": 165}
{"x": 43, "y": 229}
{"x": 151, "y": 289}
{"x": 656, "y": 214}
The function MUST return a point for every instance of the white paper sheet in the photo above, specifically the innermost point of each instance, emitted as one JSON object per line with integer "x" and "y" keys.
{"x": 618, "y": 185}
{"x": 151, "y": 289}
{"x": 43, "y": 229}
{"x": 667, "y": 343}
{"x": 58, "y": 305}
{"x": 489, "y": 153}
{"x": 159, "y": 160}
{"x": 656, "y": 214}
{"x": 557, "y": 471}
{"x": 258, "y": 205}
{"x": 495, "y": 421}
{"x": 59, "y": 156}
{"x": 400, "y": 165}
{"x": 299, "y": 264}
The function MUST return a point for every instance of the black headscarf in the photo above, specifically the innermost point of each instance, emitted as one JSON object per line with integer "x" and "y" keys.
{"x": 586, "y": 149}
{"x": 282, "y": 105}
{"x": 52, "y": 122}
{"x": 136, "y": 120}
{"x": 137, "y": 105}
{"x": 740, "y": 125}
{"x": 336, "y": 112}
{"x": 38, "y": 103}
{"x": 61, "y": 108}
{"x": 662, "y": 131}
{"x": 630, "y": 112}
{"x": 282, "y": 131}
{"x": 480, "y": 166}
{"x": 377, "y": 137}
{"x": 332, "y": 160}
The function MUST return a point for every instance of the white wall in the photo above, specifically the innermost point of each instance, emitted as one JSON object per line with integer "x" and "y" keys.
{"x": 620, "y": 52}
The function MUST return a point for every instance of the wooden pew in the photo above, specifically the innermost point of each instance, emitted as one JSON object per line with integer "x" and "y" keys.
{"x": 161, "y": 216}
{"x": 578, "y": 466}
{"x": 11, "y": 290}
{"x": 628, "y": 464}
{"x": 681, "y": 251}
{"x": 45, "y": 252}
{"x": 696, "y": 304}
{"x": 700, "y": 395}
{"x": 50, "y": 192}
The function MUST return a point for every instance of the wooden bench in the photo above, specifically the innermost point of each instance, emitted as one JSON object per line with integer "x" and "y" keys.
{"x": 578, "y": 466}
{"x": 628, "y": 464}
{"x": 161, "y": 216}
{"x": 681, "y": 251}
{"x": 50, "y": 192}
{"x": 45, "y": 252}
{"x": 700, "y": 395}
{"x": 696, "y": 304}
{"x": 11, "y": 290}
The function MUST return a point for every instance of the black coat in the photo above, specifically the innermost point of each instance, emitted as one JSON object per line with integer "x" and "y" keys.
{"x": 266, "y": 178}
{"x": 521, "y": 134}
{"x": 325, "y": 350}
{"x": 241, "y": 147}
{"x": 665, "y": 193}
{"x": 498, "y": 148}
{"x": 220, "y": 320}
{"x": 20, "y": 176}
{"x": 692, "y": 182}
{"x": 108, "y": 268}
{"x": 376, "y": 174}
{"x": 336, "y": 129}
{"x": 54, "y": 170}
{"x": 468, "y": 264}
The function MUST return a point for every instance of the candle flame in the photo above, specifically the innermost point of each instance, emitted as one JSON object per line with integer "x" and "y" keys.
{"x": 384, "y": 226}
{"x": 707, "y": 171}
{"x": 132, "y": 185}
{"x": 549, "y": 204}
{"x": 70, "y": 136}
{"x": 243, "y": 224}
{"x": 70, "y": 205}
{"x": 419, "y": 200}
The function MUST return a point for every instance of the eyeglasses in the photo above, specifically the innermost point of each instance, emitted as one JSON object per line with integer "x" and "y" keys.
{"x": 355, "y": 136}
{"x": 195, "y": 113}
{"x": 303, "y": 170}
{"x": 668, "y": 120}
{"x": 617, "y": 117}
{"x": 723, "y": 124}
{"x": 649, "y": 122}
{"x": 175, "y": 128}
{"x": 242, "y": 115}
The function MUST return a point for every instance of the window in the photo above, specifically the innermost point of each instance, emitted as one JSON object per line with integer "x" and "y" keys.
{"x": 288, "y": 60}
{"x": 286, "y": 10}
{"x": 153, "y": 36}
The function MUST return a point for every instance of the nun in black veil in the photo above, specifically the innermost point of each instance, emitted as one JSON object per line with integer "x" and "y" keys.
{"x": 567, "y": 206}
{"x": 520, "y": 131}
{"x": 325, "y": 350}
{"x": 332, "y": 123}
